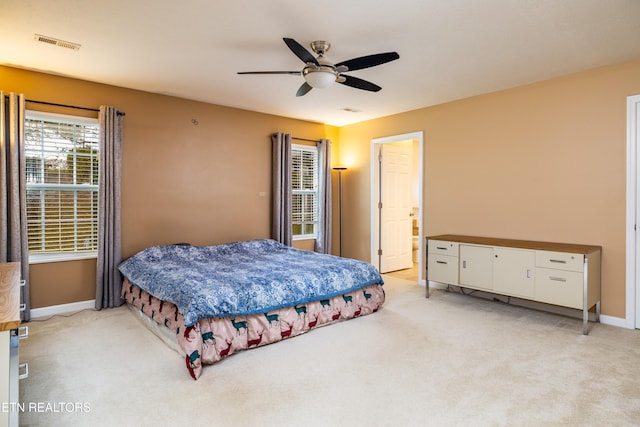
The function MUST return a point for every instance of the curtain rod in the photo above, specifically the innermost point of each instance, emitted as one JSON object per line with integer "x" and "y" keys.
{"x": 67, "y": 106}
{"x": 305, "y": 139}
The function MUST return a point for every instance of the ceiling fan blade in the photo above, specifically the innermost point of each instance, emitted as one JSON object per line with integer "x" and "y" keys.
{"x": 300, "y": 51}
{"x": 304, "y": 89}
{"x": 295, "y": 73}
{"x": 359, "y": 83}
{"x": 369, "y": 61}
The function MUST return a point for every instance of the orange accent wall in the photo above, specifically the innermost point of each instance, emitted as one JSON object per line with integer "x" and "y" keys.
{"x": 62, "y": 282}
{"x": 191, "y": 171}
{"x": 546, "y": 161}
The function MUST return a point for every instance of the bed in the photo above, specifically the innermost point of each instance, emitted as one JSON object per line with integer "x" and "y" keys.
{"x": 218, "y": 300}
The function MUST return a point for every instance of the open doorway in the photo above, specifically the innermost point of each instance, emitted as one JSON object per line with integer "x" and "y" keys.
{"x": 397, "y": 205}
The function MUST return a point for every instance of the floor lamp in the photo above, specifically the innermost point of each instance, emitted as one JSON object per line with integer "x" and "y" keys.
{"x": 340, "y": 169}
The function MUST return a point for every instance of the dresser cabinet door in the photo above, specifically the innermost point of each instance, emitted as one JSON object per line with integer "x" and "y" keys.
{"x": 560, "y": 279}
{"x": 441, "y": 247}
{"x": 476, "y": 266}
{"x": 513, "y": 272}
{"x": 443, "y": 269}
{"x": 560, "y": 287}
{"x": 560, "y": 260}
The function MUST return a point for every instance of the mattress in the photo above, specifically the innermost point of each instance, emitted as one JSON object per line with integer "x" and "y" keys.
{"x": 218, "y": 300}
{"x": 210, "y": 340}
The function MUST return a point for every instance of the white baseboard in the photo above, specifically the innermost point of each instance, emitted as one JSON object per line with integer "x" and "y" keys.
{"x": 604, "y": 319}
{"x": 84, "y": 305}
{"x": 62, "y": 309}
{"x": 613, "y": 321}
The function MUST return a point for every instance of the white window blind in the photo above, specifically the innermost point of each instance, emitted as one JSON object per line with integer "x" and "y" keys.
{"x": 61, "y": 155}
{"x": 304, "y": 209}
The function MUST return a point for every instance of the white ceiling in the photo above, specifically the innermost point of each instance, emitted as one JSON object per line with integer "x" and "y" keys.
{"x": 449, "y": 49}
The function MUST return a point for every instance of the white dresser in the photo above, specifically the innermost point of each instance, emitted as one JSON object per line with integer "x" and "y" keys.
{"x": 10, "y": 334}
{"x": 561, "y": 274}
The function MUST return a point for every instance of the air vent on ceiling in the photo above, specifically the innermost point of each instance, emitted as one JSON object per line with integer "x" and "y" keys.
{"x": 56, "y": 42}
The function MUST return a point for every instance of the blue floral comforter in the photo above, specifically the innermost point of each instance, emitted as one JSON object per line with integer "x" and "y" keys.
{"x": 241, "y": 278}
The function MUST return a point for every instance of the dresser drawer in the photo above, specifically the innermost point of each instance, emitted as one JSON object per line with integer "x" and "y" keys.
{"x": 443, "y": 248}
{"x": 560, "y": 260}
{"x": 443, "y": 269}
{"x": 559, "y": 287}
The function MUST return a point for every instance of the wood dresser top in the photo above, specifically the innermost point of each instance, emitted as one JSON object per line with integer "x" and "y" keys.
{"x": 522, "y": 244}
{"x": 9, "y": 295}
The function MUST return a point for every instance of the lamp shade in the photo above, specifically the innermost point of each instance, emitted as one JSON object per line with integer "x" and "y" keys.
{"x": 320, "y": 79}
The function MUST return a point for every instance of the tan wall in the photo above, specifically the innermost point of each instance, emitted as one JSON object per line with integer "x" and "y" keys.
{"x": 62, "y": 282}
{"x": 545, "y": 162}
{"x": 182, "y": 182}
{"x": 541, "y": 162}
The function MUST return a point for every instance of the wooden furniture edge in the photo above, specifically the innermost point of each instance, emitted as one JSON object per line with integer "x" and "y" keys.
{"x": 522, "y": 244}
{"x": 9, "y": 296}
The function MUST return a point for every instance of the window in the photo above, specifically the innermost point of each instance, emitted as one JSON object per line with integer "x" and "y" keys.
{"x": 304, "y": 209}
{"x": 61, "y": 154}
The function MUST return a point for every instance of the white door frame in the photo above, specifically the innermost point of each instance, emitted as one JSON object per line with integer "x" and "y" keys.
{"x": 374, "y": 187}
{"x": 632, "y": 318}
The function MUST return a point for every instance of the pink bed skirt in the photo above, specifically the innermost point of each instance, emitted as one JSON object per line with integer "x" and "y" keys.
{"x": 213, "y": 339}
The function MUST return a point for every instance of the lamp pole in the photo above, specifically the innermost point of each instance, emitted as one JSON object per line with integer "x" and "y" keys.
{"x": 340, "y": 169}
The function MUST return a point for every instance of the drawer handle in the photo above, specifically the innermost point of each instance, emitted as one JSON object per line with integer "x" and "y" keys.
{"x": 441, "y": 262}
{"x": 23, "y": 282}
{"x": 560, "y": 261}
{"x": 23, "y": 332}
{"x": 23, "y": 307}
{"x": 442, "y": 248}
{"x": 25, "y": 374}
{"x": 557, "y": 279}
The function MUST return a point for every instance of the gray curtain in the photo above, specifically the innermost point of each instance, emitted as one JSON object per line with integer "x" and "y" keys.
{"x": 109, "y": 279}
{"x": 13, "y": 207}
{"x": 281, "y": 192}
{"x": 323, "y": 241}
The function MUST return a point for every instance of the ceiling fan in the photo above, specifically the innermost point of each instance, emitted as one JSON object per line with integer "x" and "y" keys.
{"x": 320, "y": 73}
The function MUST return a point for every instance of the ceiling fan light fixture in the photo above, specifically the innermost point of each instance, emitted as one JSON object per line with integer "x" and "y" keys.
{"x": 320, "y": 73}
{"x": 319, "y": 77}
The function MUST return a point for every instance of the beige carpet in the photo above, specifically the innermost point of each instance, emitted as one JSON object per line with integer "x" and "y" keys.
{"x": 451, "y": 360}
